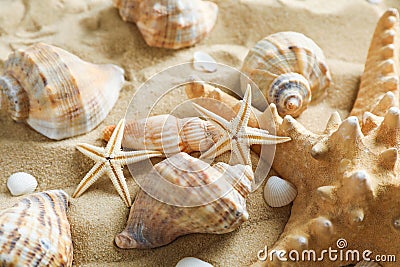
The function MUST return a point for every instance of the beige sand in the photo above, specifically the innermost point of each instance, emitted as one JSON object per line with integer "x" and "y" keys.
{"x": 94, "y": 31}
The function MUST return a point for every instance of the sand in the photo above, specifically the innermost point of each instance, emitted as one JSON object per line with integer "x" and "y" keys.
{"x": 94, "y": 31}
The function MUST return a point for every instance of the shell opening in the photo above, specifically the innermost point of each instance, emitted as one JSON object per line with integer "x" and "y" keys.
{"x": 13, "y": 97}
{"x": 291, "y": 93}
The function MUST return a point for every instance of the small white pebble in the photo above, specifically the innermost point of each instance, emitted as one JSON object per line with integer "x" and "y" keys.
{"x": 204, "y": 62}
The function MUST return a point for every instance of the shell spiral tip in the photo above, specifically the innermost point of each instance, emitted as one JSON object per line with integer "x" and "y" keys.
{"x": 124, "y": 241}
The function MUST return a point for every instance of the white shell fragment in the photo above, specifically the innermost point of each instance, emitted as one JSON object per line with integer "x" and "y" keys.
{"x": 192, "y": 262}
{"x": 279, "y": 192}
{"x": 204, "y": 62}
{"x": 21, "y": 183}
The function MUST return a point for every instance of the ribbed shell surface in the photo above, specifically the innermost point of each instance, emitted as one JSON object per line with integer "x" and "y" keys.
{"x": 153, "y": 223}
{"x": 170, "y": 135}
{"x": 286, "y": 52}
{"x": 67, "y": 96}
{"x": 36, "y": 232}
{"x": 170, "y": 23}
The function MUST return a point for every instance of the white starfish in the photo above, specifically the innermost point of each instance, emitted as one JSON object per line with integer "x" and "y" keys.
{"x": 237, "y": 135}
{"x": 110, "y": 160}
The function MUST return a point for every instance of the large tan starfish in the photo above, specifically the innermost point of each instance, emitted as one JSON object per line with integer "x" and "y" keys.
{"x": 237, "y": 135}
{"x": 110, "y": 160}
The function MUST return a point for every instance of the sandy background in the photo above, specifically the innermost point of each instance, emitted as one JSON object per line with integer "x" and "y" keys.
{"x": 94, "y": 31}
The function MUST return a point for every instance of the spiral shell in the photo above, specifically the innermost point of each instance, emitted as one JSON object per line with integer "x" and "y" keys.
{"x": 56, "y": 93}
{"x": 167, "y": 134}
{"x": 36, "y": 232}
{"x": 279, "y": 192}
{"x": 21, "y": 183}
{"x": 192, "y": 262}
{"x": 221, "y": 191}
{"x": 170, "y": 23}
{"x": 289, "y": 69}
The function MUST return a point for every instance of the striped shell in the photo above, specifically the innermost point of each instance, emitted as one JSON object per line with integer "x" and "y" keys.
{"x": 192, "y": 262}
{"x": 279, "y": 192}
{"x": 56, "y": 93}
{"x": 170, "y": 23}
{"x": 289, "y": 69}
{"x": 153, "y": 223}
{"x": 36, "y": 232}
{"x": 21, "y": 183}
{"x": 167, "y": 134}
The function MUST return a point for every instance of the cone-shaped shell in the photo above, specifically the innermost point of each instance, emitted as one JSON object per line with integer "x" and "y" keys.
{"x": 167, "y": 134}
{"x": 279, "y": 192}
{"x": 289, "y": 69}
{"x": 170, "y": 23}
{"x": 36, "y": 232}
{"x": 56, "y": 93}
{"x": 153, "y": 223}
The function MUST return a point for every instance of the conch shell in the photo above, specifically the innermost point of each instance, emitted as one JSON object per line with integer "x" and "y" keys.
{"x": 167, "y": 134}
{"x": 289, "y": 69}
{"x": 170, "y": 23}
{"x": 56, "y": 93}
{"x": 153, "y": 223}
{"x": 36, "y": 232}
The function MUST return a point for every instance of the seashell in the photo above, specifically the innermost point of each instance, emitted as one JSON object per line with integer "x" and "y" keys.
{"x": 21, "y": 183}
{"x": 289, "y": 69}
{"x": 207, "y": 200}
{"x": 192, "y": 262}
{"x": 279, "y": 192}
{"x": 170, "y": 23}
{"x": 36, "y": 231}
{"x": 204, "y": 62}
{"x": 167, "y": 134}
{"x": 56, "y": 93}
{"x": 368, "y": 264}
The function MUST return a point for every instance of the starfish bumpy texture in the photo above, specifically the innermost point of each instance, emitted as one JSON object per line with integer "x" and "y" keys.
{"x": 347, "y": 178}
{"x": 237, "y": 136}
{"x": 110, "y": 160}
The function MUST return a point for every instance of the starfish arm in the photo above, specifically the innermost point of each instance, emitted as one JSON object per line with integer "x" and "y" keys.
{"x": 223, "y": 145}
{"x": 212, "y": 116}
{"x": 241, "y": 152}
{"x": 128, "y": 157}
{"x": 93, "y": 152}
{"x": 90, "y": 178}
{"x": 262, "y": 137}
{"x": 114, "y": 144}
{"x": 116, "y": 175}
{"x": 242, "y": 118}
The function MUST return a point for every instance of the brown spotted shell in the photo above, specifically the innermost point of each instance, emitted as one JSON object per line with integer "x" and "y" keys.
{"x": 56, "y": 93}
{"x": 170, "y": 23}
{"x": 36, "y": 232}
{"x": 167, "y": 134}
{"x": 289, "y": 69}
{"x": 154, "y": 223}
